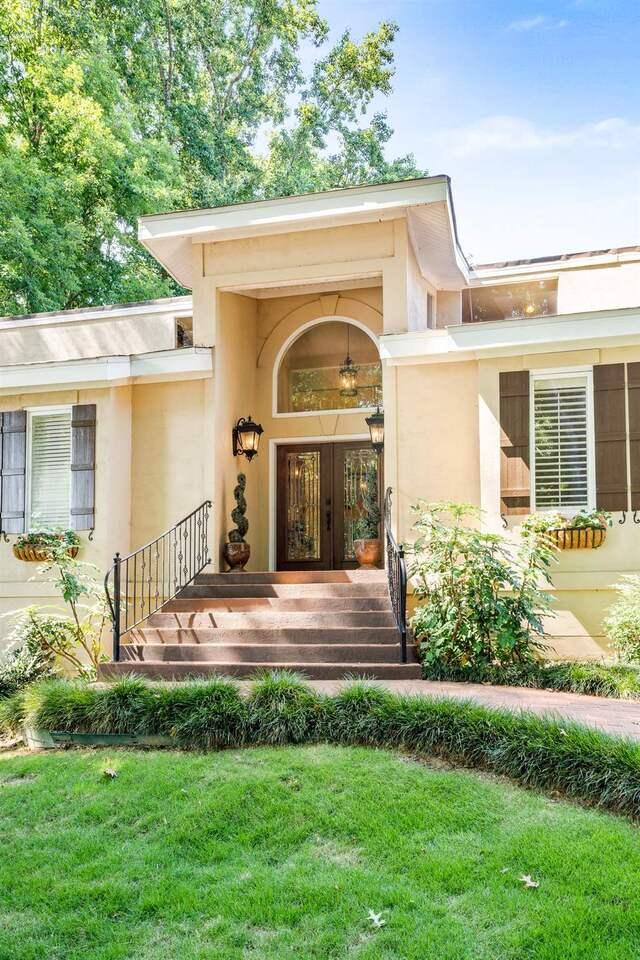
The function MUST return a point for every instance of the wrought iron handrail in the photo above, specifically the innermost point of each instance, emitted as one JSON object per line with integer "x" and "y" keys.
{"x": 139, "y": 584}
{"x": 396, "y": 575}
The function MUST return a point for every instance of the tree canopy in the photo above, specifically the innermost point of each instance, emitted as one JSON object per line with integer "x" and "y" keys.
{"x": 111, "y": 109}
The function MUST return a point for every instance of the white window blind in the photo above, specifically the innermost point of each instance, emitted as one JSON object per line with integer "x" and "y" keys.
{"x": 50, "y": 470}
{"x": 562, "y": 442}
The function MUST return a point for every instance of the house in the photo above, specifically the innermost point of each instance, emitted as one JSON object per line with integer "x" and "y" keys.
{"x": 118, "y": 420}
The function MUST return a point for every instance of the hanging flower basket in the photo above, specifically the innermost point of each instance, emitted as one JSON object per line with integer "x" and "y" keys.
{"x": 40, "y": 547}
{"x": 578, "y": 538}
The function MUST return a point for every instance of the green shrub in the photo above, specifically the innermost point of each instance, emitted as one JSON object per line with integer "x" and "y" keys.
{"x": 596, "y": 679}
{"x": 479, "y": 602}
{"x": 282, "y": 709}
{"x": 24, "y": 662}
{"x": 201, "y": 715}
{"x": 536, "y": 751}
{"x": 74, "y": 637}
{"x": 622, "y": 623}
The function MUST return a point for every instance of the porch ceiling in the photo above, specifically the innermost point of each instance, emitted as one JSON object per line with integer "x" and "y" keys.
{"x": 426, "y": 202}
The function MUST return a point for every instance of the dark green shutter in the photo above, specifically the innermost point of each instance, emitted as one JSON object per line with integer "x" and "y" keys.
{"x": 13, "y": 469}
{"x": 83, "y": 465}
{"x": 515, "y": 474}
{"x": 610, "y": 419}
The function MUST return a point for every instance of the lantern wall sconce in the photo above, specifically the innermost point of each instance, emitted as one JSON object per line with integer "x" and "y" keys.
{"x": 246, "y": 437}
{"x": 376, "y": 429}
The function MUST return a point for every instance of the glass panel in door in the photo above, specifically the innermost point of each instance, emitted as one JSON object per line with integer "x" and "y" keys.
{"x": 360, "y": 471}
{"x": 303, "y": 506}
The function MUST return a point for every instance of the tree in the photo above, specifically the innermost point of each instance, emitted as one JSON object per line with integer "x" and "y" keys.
{"x": 110, "y": 110}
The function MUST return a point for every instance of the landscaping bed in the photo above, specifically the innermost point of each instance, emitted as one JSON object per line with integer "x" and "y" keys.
{"x": 280, "y": 709}
{"x": 617, "y": 681}
{"x": 281, "y": 854}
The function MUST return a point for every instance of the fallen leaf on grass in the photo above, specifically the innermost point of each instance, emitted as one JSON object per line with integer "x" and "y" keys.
{"x": 529, "y": 882}
{"x": 376, "y": 919}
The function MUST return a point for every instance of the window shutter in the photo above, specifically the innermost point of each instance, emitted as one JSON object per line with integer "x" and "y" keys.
{"x": 633, "y": 389}
{"x": 83, "y": 456}
{"x": 515, "y": 479}
{"x": 13, "y": 464}
{"x": 610, "y": 436}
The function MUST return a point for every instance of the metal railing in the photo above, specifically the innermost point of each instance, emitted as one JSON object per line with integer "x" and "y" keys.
{"x": 396, "y": 575}
{"x": 139, "y": 584}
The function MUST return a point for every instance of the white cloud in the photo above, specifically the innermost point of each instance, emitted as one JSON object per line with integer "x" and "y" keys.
{"x": 536, "y": 23}
{"x": 515, "y": 134}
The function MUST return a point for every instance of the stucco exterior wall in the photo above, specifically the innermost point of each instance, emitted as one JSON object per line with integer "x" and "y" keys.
{"x": 168, "y": 455}
{"x": 70, "y": 338}
{"x": 113, "y": 496}
{"x": 233, "y": 397}
{"x": 436, "y": 442}
{"x": 583, "y": 580}
{"x": 599, "y": 288}
{"x": 279, "y": 319}
{"x": 285, "y": 250}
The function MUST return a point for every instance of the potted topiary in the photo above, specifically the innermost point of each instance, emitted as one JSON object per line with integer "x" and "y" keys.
{"x": 587, "y": 529}
{"x": 237, "y": 551}
{"x": 41, "y": 545}
{"x": 367, "y": 544}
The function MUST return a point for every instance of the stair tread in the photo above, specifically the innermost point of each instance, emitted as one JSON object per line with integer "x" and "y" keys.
{"x": 297, "y": 577}
{"x": 171, "y": 669}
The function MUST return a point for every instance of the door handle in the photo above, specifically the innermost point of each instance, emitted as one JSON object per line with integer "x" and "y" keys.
{"x": 328, "y": 513}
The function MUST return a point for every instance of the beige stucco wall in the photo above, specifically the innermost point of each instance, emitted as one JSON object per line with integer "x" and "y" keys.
{"x": 599, "y": 288}
{"x": 233, "y": 397}
{"x": 168, "y": 456}
{"x": 72, "y": 339}
{"x": 113, "y": 488}
{"x": 282, "y": 251}
{"x": 151, "y": 469}
{"x": 583, "y": 580}
{"x": 278, "y": 320}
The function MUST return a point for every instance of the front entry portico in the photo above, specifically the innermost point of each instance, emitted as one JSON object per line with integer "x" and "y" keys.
{"x": 320, "y": 489}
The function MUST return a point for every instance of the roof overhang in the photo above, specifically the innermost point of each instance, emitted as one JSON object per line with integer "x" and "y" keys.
{"x": 425, "y": 202}
{"x": 187, "y": 363}
{"x": 505, "y": 338}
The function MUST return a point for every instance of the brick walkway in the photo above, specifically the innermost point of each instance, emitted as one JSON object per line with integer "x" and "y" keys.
{"x": 621, "y": 717}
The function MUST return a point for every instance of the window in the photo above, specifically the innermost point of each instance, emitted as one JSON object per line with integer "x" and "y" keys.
{"x": 49, "y": 469}
{"x": 430, "y": 310}
{"x": 310, "y": 378}
{"x": 510, "y": 301}
{"x": 184, "y": 331}
{"x": 562, "y": 432}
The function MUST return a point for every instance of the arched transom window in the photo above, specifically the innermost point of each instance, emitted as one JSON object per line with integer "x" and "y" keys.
{"x": 333, "y": 365}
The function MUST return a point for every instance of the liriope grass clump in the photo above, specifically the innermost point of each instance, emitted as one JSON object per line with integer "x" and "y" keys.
{"x": 618, "y": 681}
{"x": 200, "y": 715}
{"x": 280, "y": 708}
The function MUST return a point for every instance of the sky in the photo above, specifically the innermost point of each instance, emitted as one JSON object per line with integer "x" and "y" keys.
{"x": 532, "y": 109}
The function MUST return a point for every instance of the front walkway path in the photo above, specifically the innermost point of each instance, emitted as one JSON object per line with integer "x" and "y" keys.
{"x": 621, "y": 717}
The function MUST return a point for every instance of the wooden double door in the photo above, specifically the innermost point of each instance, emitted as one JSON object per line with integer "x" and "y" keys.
{"x": 320, "y": 489}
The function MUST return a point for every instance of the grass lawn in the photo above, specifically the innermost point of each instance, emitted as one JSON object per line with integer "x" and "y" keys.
{"x": 281, "y": 853}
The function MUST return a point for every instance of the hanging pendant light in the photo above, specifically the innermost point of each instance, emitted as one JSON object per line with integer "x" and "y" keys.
{"x": 348, "y": 374}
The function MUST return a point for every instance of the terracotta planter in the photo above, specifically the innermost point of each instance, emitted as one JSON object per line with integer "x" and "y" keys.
{"x": 236, "y": 555}
{"x": 578, "y": 538}
{"x": 368, "y": 553}
{"x": 34, "y": 554}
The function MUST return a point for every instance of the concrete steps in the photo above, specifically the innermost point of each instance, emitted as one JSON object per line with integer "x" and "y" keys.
{"x": 312, "y": 671}
{"x": 324, "y": 624}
